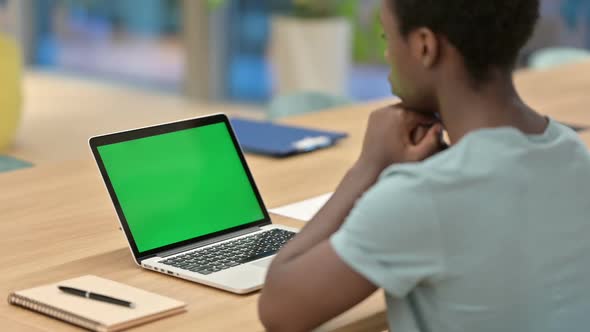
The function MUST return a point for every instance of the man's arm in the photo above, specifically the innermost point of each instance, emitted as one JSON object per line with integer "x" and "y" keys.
{"x": 309, "y": 269}
{"x": 307, "y": 283}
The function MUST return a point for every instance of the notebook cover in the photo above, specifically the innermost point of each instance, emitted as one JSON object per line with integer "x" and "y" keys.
{"x": 267, "y": 138}
{"x": 96, "y": 315}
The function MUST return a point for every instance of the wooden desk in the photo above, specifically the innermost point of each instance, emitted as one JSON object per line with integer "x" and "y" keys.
{"x": 59, "y": 217}
{"x": 60, "y": 113}
{"x": 57, "y": 221}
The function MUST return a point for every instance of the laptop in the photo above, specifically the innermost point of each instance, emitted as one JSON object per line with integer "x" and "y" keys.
{"x": 188, "y": 204}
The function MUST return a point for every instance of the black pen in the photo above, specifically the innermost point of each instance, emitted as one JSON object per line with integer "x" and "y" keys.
{"x": 94, "y": 296}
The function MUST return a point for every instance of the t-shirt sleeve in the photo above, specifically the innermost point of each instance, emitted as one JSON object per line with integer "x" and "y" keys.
{"x": 392, "y": 236}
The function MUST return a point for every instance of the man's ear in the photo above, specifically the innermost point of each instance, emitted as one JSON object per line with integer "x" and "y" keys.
{"x": 425, "y": 47}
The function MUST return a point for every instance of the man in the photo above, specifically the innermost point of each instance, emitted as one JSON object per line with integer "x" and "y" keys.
{"x": 491, "y": 234}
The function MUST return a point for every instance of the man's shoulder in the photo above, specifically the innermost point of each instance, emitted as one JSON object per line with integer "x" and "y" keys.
{"x": 478, "y": 152}
{"x": 486, "y": 154}
{"x": 448, "y": 163}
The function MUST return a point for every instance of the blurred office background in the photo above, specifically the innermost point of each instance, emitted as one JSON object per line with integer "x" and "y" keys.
{"x": 233, "y": 51}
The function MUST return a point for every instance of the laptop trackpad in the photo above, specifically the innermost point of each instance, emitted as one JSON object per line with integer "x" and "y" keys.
{"x": 263, "y": 262}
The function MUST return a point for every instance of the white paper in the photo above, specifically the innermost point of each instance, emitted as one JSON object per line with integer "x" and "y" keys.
{"x": 304, "y": 210}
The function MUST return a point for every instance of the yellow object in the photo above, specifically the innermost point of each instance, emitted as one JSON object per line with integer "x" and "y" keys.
{"x": 10, "y": 91}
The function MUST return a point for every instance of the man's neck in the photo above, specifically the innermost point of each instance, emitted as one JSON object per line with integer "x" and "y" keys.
{"x": 464, "y": 109}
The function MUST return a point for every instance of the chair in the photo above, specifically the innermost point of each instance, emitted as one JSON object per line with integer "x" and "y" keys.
{"x": 8, "y": 164}
{"x": 303, "y": 102}
{"x": 553, "y": 57}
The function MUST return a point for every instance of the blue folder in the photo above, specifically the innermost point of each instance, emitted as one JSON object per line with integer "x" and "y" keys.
{"x": 270, "y": 139}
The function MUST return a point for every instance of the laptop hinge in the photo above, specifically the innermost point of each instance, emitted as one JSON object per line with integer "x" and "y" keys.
{"x": 208, "y": 242}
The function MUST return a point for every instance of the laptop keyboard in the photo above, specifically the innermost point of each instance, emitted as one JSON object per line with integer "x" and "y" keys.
{"x": 232, "y": 253}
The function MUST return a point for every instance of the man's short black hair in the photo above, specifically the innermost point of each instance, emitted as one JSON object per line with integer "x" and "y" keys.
{"x": 487, "y": 33}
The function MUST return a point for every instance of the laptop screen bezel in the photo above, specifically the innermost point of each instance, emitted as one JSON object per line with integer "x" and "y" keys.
{"x": 168, "y": 128}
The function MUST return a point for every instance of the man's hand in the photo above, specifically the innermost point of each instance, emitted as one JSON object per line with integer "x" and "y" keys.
{"x": 397, "y": 135}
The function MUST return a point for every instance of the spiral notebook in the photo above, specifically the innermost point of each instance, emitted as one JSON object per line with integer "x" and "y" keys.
{"x": 95, "y": 315}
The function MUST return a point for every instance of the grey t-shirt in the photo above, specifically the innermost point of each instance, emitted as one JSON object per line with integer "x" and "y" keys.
{"x": 490, "y": 235}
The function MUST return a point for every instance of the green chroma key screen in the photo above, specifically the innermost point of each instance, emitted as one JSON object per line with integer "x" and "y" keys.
{"x": 181, "y": 185}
